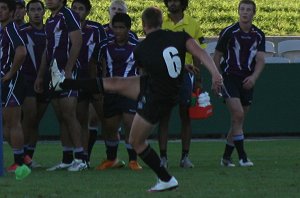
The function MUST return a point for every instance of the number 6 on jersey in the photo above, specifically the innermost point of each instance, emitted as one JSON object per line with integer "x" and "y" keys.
{"x": 172, "y": 61}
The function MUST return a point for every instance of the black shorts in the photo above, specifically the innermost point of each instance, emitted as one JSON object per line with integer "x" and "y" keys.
{"x": 233, "y": 88}
{"x": 64, "y": 94}
{"x": 114, "y": 104}
{"x": 149, "y": 107}
{"x": 13, "y": 91}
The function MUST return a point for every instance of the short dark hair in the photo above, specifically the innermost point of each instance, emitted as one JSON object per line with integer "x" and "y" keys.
{"x": 11, "y": 4}
{"x": 152, "y": 17}
{"x": 20, "y": 2}
{"x": 35, "y": 1}
{"x": 184, "y": 4}
{"x": 86, "y": 3}
{"x": 123, "y": 18}
{"x": 248, "y": 2}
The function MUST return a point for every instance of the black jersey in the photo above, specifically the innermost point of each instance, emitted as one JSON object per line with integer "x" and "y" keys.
{"x": 240, "y": 48}
{"x": 161, "y": 55}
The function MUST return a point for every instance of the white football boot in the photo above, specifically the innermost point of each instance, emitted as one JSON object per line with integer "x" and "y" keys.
{"x": 164, "y": 186}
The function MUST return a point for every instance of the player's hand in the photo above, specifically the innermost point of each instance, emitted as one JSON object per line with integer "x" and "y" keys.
{"x": 7, "y": 77}
{"x": 249, "y": 82}
{"x": 217, "y": 83}
{"x": 68, "y": 74}
{"x": 38, "y": 85}
{"x": 192, "y": 69}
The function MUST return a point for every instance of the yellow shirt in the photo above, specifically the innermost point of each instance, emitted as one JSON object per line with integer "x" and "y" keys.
{"x": 187, "y": 24}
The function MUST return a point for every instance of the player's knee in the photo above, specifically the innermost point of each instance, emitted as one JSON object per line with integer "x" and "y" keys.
{"x": 237, "y": 117}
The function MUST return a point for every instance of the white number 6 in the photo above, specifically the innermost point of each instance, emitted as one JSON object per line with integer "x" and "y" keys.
{"x": 172, "y": 61}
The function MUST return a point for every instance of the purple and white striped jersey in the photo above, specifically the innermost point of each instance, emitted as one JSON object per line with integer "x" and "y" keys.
{"x": 239, "y": 49}
{"x": 10, "y": 39}
{"x": 119, "y": 59}
{"x": 35, "y": 42}
{"x": 93, "y": 37}
{"x": 58, "y": 28}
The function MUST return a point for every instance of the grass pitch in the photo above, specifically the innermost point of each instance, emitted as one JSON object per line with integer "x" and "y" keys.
{"x": 276, "y": 173}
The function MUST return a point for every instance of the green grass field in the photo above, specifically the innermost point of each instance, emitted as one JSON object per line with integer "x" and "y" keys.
{"x": 276, "y": 174}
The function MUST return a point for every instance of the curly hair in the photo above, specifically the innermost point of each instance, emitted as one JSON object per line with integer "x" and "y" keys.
{"x": 184, "y": 4}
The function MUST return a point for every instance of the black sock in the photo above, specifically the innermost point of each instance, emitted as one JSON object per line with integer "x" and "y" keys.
{"x": 239, "y": 145}
{"x": 18, "y": 156}
{"x": 163, "y": 153}
{"x": 131, "y": 153}
{"x": 86, "y": 159}
{"x": 94, "y": 85}
{"x": 111, "y": 149}
{"x": 150, "y": 157}
{"x": 92, "y": 140}
{"x": 184, "y": 153}
{"x": 30, "y": 150}
{"x": 67, "y": 156}
{"x": 228, "y": 151}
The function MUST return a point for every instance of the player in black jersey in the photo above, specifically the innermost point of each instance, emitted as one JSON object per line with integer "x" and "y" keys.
{"x": 161, "y": 57}
{"x": 242, "y": 46}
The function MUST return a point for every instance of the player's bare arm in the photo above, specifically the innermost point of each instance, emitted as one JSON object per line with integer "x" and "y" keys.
{"x": 249, "y": 81}
{"x": 194, "y": 48}
{"x": 76, "y": 40}
{"x": 38, "y": 84}
{"x": 19, "y": 58}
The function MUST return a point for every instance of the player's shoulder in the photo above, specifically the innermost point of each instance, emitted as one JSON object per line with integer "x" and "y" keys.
{"x": 132, "y": 41}
{"x": 176, "y": 34}
{"x": 94, "y": 24}
{"x": 258, "y": 30}
{"x": 133, "y": 35}
{"x": 65, "y": 9}
{"x": 229, "y": 29}
{"x": 106, "y": 26}
{"x": 11, "y": 25}
{"x": 69, "y": 13}
{"x": 11, "y": 28}
{"x": 25, "y": 27}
